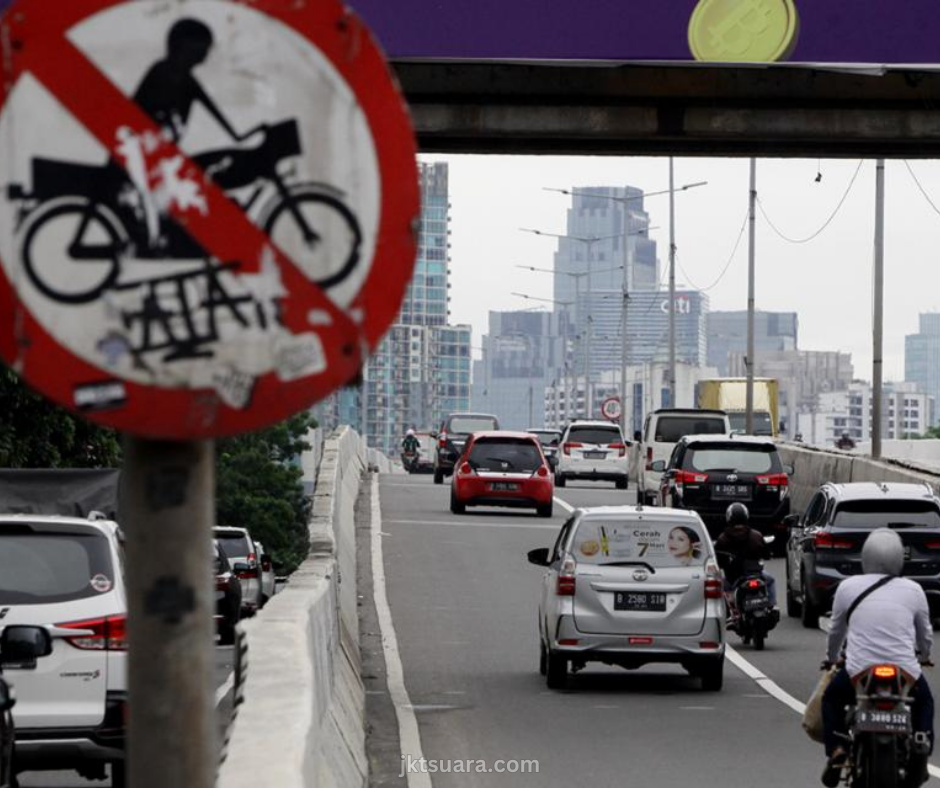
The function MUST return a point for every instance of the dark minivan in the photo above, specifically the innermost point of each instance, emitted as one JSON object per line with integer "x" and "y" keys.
{"x": 452, "y": 437}
{"x": 824, "y": 545}
{"x": 707, "y": 473}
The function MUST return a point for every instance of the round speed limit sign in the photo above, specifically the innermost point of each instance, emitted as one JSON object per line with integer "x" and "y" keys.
{"x": 610, "y": 409}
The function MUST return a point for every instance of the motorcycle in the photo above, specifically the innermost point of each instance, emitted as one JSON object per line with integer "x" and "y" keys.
{"x": 753, "y": 615}
{"x": 409, "y": 460}
{"x": 884, "y": 751}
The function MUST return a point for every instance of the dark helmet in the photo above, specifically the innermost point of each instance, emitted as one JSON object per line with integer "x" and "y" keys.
{"x": 737, "y": 514}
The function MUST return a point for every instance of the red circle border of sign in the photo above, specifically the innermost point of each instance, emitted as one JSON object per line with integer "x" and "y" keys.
{"x": 604, "y": 405}
{"x": 187, "y": 414}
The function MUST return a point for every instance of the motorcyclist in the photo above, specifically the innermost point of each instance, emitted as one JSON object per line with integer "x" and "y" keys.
{"x": 845, "y": 442}
{"x": 891, "y": 625}
{"x": 410, "y": 444}
{"x": 740, "y": 544}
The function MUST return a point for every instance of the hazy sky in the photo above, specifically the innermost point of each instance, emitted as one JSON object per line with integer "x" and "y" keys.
{"x": 827, "y": 280}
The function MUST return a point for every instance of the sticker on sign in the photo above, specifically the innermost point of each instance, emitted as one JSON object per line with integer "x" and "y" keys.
{"x": 204, "y": 200}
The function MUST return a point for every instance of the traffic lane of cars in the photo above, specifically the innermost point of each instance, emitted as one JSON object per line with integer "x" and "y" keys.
{"x": 224, "y": 663}
{"x": 476, "y": 687}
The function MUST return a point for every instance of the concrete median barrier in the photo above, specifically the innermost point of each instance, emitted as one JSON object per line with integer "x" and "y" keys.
{"x": 302, "y": 720}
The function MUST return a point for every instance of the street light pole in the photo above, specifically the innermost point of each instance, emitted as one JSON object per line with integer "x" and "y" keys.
{"x": 672, "y": 287}
{"x": 749, "y": 396}
{"x": 878, "y": 317}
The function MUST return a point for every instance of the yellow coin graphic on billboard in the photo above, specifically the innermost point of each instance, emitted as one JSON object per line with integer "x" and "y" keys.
{"x": 743, "y": 31}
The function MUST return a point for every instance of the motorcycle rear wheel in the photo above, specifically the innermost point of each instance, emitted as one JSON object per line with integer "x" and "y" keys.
{"x": 878, "y": 764}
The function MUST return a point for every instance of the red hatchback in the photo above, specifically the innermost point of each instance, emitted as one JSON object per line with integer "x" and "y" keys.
{"x": 502, "y": 469}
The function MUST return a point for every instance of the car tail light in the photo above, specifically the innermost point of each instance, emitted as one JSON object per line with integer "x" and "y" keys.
{"x": 713, "y": 584}
{"x": 934, "y": 545}
{"x": 442, "y": 440}
{"x": 686, "y": 477}
{"x": 649, "y": 458}
{"x": 774, "y": 482}
{"x": 542, "y": 471}
{"x": 569, "y": 446}
{"x": 104, "y": 634}
{"x": 466, "y": 469}
{"x": 885, "y": 672}
{"x": 266, "y": 565}
{"x": 641, "y": 641}
{"x": 565, "y": 585}
{"x": 568, "y": 642}
{"x": 826, "y": 541}
{"x": 251, "y": 574}
{"x": 620, "y": 447}
{"x": 708, "y": 644}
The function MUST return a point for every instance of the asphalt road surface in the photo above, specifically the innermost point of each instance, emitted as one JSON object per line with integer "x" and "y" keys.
{"x": 70, "y": 779}
{"x": 463, "y": 602}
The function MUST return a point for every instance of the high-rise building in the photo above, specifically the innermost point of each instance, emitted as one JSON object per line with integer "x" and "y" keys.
{"x": 420, "y": 371}
{"x": 727, "y": 334}
{"x": 523, "y": 353}
{"x": 922, "y": 356}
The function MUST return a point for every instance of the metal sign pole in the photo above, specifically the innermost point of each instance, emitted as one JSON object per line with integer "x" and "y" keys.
{"x": 749, "y": 399}
{"x": 167, "y": 511}
{"x": 878, "y": 317}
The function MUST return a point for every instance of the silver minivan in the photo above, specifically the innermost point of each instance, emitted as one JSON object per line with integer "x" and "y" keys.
{"x": 627, "y": 585}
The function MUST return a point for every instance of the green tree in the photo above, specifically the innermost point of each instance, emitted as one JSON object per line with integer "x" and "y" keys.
{"x": 258, "y": 487}
{"x": 34, "y": 433}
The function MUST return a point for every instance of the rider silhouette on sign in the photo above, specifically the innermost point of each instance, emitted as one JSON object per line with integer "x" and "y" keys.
{"x": 169, "y": 89}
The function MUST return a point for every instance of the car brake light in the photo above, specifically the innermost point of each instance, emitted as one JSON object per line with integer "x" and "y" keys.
{"x": 442, "y": 440}
{"x": 885, "y": 671}
{"x": 466, "y": 469}
{"x": 932, "y": 545}
{"x": 542, "y": 471}
{"x": 104, "y": 634}
{"x": 713, "y": 588}
{"x": 565, "y": 585}
{"x": 649, "y": 458}
{"x": 620, "y": 447}
{"x": 569, "y": 446}
{"x": 753, "y": 583}
{"x": 686, "y": 477}
{"x": 774, "y": 482}
{"x": 826, "y": 541}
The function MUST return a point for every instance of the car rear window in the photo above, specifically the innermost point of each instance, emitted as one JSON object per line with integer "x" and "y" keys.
{"x": 505, "y": 454}
{"x": 596, "y": 435}
{"x": 734, "y": 459}
{"x": 887, "y": 513}
{"x": 234, "y": 545}
{"x": 464, "y": 425}
{"x": 659, "y": 545}
{"x": 548, "y": 438}
{"x": 49, "y": 568}
{"x": 669, "y": 429}
{"x": 762, "y": 423}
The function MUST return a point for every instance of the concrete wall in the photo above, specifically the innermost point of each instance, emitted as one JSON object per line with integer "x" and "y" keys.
{"x": 812, "y": 467}
{"x": 302, "y": 721}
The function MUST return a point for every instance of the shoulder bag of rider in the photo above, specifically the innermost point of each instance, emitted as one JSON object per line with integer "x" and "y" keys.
{"x": 812, "y": 715}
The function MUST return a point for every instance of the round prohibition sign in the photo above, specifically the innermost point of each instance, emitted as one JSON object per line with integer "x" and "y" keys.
{"x": 179, "y": 291}
{"x": 610, "y": 409}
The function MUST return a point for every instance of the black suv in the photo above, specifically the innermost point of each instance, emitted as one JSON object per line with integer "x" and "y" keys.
{"x": 452, "y": 436}
{"x": 707, "y": 473}
{"x": 824, "y": 545}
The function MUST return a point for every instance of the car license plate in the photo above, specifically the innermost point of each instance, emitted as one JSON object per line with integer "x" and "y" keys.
{"x": 874, "y": 721}
{"x": 503, "y": 487}
{"x": 639, "y": 600}
{"x": 737, "y": 491}
{"x": 595, "y": 455}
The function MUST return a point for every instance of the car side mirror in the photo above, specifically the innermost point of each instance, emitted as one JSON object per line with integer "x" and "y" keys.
{"x": 7, "y": 700}
{"x": 791, "y": 521}
{"x": 789, "y": 470}
{"x": 24, "y": 644}
{"x": 241, "y": 568}
{"x": 637, "y": 437}
{"x": 659, "y": 466}
{"x": 539, "y": 557}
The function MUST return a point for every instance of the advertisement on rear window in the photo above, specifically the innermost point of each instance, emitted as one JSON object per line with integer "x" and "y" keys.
{"x": 659, "y": 545}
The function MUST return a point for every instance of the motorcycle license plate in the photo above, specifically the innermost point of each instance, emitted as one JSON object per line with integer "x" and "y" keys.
{"x": 639, "y": 601}
{"x": 504, "y": 487}
{"x": 755, "y": 603}
{"x": 875, "y": 721}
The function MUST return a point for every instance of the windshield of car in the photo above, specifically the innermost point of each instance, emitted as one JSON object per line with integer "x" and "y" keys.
{"x": 234, "y": 545}
{"x": 49, "y": 568}
{"x": 505, "y": 454}
{"x": 464, "y": 425}
{"x": 669, "y": 429}
{"x": 548, "y": 437}
{"x": 658, "y": 545}
{"x": 763, "y": 425}
{"x": 881, "y": 513}
{"x": 597, "y": 435}
{"x": 737, "y": 459}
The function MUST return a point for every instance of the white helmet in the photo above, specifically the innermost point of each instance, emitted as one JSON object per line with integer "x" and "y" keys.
{"x": 410, "y": 432}
{"x": 883, "y": 553}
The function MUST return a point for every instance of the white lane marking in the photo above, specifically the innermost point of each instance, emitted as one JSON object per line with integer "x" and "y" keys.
{"x": 225, "y": 689}
{"x": 564, "y": 504}
{"x": 472, "y": 524}
{"x": 772, "y": 688}
{"x": 409, "y": 736}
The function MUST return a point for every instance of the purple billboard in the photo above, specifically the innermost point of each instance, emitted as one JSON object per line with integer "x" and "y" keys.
{"x": 802, "y": 31}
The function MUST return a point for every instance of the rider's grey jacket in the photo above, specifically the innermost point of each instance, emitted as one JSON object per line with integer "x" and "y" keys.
{"x": 891, "y": 625}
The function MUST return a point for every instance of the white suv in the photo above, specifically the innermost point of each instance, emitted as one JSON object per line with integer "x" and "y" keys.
{"x": 242, "y": 553}
{"x": 65, "y": 574}
{"x": 593, "y": 450}
{"x": 662, "y": 430}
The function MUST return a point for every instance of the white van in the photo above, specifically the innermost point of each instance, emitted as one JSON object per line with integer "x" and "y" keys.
{"x": 662, "y": 430}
